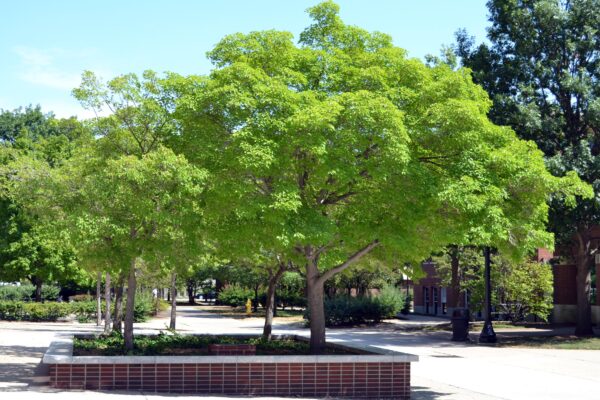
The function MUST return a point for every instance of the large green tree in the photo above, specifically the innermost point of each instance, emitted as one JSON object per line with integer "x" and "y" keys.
{"x": 541, "y": 69}
{"x": 342, "y": 148}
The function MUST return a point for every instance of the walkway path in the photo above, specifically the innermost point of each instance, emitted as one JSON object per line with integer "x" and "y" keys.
{"x": 445, "y": 371}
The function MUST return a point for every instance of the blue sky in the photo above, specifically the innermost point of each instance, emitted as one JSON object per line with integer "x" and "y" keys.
{"x": 45, "y": 45}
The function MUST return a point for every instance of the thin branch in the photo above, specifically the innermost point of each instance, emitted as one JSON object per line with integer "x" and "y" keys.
{"x": 336, "y": 199}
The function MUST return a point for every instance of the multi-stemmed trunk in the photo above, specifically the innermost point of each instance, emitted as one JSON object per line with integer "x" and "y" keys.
{"x": 172, "y": 323}
{"x": 270, "y": 301}
{"x": 118, "y": 318}
{"x": 107, "y": 316}
{"x": 98, "y": 298}
{"x": 130, "y": 307}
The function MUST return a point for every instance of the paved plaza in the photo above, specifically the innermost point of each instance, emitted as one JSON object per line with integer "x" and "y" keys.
{"x": 446, "y": 370}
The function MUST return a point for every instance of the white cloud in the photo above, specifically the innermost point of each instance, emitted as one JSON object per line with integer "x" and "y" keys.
{"x": 50, "y": 67}
{"x": 65, "y": 109}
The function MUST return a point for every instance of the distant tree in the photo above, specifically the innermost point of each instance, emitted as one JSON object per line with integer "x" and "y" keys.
{"x": 27, "y": 249}
{"x": 541, "y": 69}
{"x": 520, "y": 289}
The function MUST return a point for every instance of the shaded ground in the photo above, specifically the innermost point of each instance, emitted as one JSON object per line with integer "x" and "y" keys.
{"x": 240, "y": 312}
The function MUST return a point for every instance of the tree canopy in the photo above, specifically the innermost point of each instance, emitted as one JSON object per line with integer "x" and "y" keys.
{"x": 342, "y": 147}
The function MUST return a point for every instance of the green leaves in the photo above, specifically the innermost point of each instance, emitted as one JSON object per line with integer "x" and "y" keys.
{"x": 540, "y": 71}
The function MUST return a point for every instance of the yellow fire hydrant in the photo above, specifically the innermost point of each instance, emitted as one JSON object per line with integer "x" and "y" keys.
{"x": 249, "y": 307}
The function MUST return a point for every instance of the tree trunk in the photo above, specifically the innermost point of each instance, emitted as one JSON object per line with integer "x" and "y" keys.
{"x": 118, "y": 319}
{"x": 98, "y": 299}
{"x": 191, "y": 291}
{"x": 219, "y": 284}
{"x": 38, "y": 288}
{"x": 270, "y": 302}
{"x": 173, "y": 300}
{"x": 255, "y": 306}
{"x": 130, "y": 307}
{"x": 107, "y": 318}
{"x": 455, "y": 278}
{"x": 583, "y": 281}
{"x": 315, "y": 293}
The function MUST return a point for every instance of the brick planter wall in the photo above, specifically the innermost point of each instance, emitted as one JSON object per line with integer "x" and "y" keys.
{"x": 352, "y": 380}
{"x": 369, "y": 376}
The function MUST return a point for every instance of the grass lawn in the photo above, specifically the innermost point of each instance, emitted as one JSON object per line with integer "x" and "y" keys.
{"x": 473, "y": 327}
{"x": 552, "y": 342}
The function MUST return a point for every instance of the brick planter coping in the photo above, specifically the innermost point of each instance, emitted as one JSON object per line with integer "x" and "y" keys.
{"x": 380, "y": 374}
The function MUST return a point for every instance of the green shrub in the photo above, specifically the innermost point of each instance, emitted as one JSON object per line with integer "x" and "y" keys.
{"x": 50, "y": 292}
{"x": 235, "y": 296}
{"x": 26, "y": 292}
{"x": 85, "y": 311}
{"x": 81, "y": 297}
{"x": 144, "y": 307}
{"x": 390, "y": 300}
{"x": 16, "y": 293}
{"x": 11, "y": 310}
{"x": 406, "y": 307}
{"x": 50, "y": 311}
{"x": 160, "y": 305}
{"x": 29, "y": 311}
{"x": 348, "y": 311}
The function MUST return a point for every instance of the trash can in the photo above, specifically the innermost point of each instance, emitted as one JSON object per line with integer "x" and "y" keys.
{"x": 460, "y": 324}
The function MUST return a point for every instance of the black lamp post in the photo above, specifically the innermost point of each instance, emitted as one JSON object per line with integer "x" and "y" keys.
{"x": 487, "y": 333}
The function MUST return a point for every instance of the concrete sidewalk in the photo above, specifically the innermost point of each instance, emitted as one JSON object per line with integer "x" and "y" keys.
{"x": 446, "y": 370}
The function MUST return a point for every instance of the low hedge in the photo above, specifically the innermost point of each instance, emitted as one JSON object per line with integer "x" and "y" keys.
{"x": 84, "y": 311}
{"x": 28, "y": 311}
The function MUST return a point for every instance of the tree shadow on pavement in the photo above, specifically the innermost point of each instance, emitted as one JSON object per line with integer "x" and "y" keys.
{"x": 19, "y": 377}
{"x": 424, "y": 393}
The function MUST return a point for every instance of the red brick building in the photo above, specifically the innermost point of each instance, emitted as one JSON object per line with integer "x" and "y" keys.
{"x": 565, "y": 294}
{"x": 431, "y": 298}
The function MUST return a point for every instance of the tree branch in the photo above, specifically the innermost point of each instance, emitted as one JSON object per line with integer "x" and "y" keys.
{"x": 331, "y": 199}
{"x": 351, "y": 260}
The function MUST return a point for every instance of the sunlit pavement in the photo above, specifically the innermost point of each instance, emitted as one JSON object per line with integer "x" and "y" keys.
{"x": 446, "y": 370}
